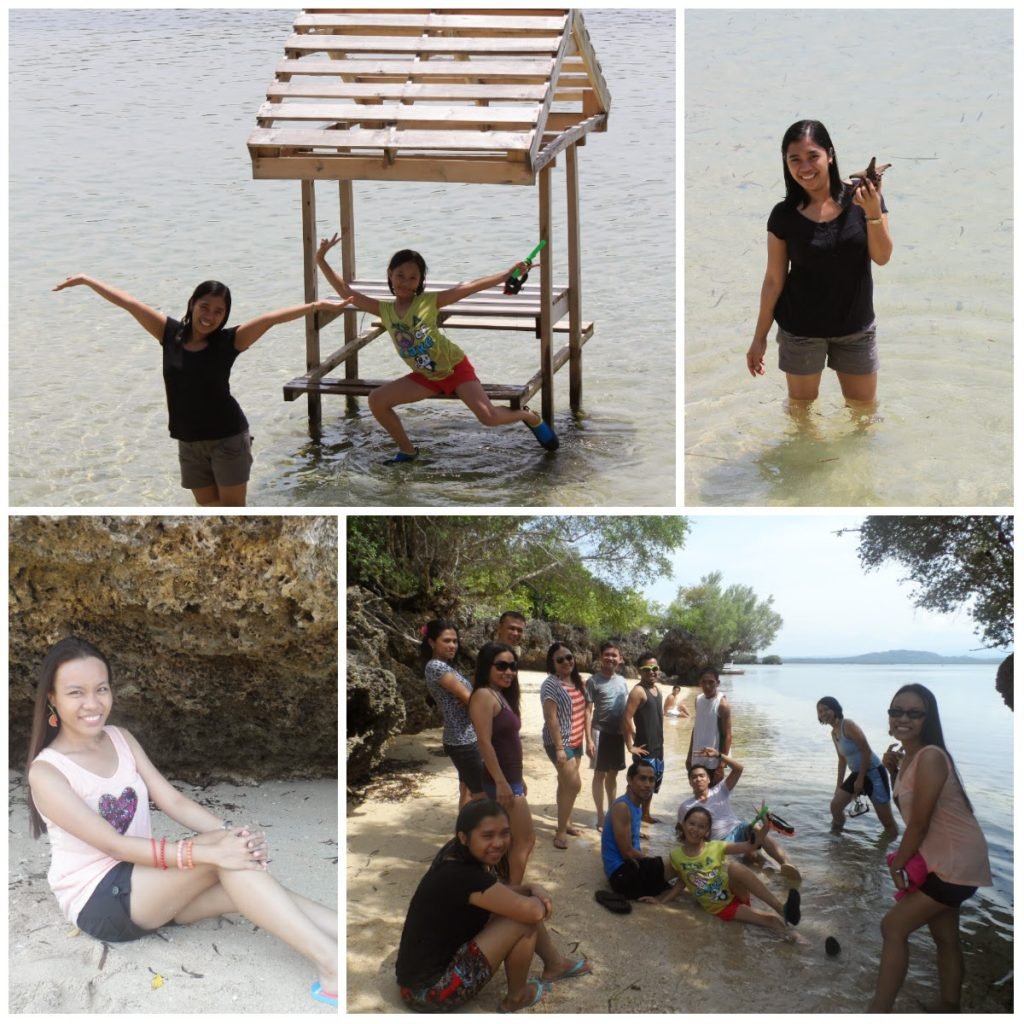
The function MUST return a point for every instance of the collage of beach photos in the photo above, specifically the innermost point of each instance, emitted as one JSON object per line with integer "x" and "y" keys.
{"x": 614, "y": 405}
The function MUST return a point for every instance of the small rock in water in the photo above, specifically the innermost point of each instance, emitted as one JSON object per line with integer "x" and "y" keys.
{"x": 831, "y": 946}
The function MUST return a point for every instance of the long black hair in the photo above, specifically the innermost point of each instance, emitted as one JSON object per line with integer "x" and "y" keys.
{"x": 482, "y": 677}
{"x": 408, "y": 256}
{"x": 183, "y": 335}
{"x": 931, "y": 728}
{"x": 574, "y": 675}
{"x": 833, "y": 705}
{"x": 818, "y": 134}
{"x": 431, "y": 631}
{"x": 71, "y": 648}
{"x": 470, "y": 816}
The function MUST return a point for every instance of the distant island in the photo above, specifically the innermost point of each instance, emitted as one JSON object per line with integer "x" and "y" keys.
{"x": 896, "y": 658}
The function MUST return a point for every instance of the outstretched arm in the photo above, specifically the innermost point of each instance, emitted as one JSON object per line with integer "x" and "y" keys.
{"x": 360, "y": 301}
{"x": 252, "y": 330}
{"x": 461, "y": 291}
{"x": 152, "y": 320}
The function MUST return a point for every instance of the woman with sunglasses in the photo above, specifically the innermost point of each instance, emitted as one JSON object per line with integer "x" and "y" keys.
{"x": 942, "y": 831}
{"x": 867, "y": 776}
{"x": 494, "y": 712}
{"x": 563, "y": 698}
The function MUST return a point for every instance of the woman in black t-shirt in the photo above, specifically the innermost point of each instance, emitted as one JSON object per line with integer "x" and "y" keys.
{"x": 464, "y": 921}
{"x": 208, "y": 424}
{"x": 822, "y": 240}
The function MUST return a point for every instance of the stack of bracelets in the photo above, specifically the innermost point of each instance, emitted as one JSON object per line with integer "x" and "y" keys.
{"x": 184, "y": 854}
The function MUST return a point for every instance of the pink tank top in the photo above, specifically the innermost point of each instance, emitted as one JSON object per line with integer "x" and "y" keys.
{"x": 954, "y": 846}
{"x": 122, "y": 800}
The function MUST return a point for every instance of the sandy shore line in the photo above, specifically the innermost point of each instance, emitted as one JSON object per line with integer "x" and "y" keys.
{"x": 656, "y": 960}
{"x": 223, "y": 965}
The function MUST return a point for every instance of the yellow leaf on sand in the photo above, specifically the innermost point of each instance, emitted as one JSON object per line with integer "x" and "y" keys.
{"x": 157, "y": 981}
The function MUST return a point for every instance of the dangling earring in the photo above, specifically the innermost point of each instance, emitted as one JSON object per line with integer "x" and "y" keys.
{"x": 52, "y": 721}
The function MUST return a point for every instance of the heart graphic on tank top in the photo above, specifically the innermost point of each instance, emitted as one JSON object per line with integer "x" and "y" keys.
{"x": 120, "y": 810}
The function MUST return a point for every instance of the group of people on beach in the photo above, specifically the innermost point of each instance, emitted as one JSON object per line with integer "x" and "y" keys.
{"x": 199, "y": 351}
{"x": 477, "y": 883}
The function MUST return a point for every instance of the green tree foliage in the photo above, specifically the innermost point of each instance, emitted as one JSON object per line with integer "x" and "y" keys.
{"x": 771, "y": 659}
{"x": 955, "y": 561}
{"x": 725, "y": 621}
{"x": 581, "y": 569}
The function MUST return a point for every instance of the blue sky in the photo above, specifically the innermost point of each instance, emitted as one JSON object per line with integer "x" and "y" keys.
{"x": 829, "y": 605}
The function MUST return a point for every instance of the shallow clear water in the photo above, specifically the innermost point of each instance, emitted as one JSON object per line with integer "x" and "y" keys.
{"x": 129, "y": 163}
{"x": 930, "y": 92}
{"x": 790, "y": 762}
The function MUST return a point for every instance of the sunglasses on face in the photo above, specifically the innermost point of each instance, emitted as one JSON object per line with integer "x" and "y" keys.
{"x": 913, "y": 715}
{"x": 506, "y": 666}
{"x": 561, "y": 659}
{"x": 648, "y": 668}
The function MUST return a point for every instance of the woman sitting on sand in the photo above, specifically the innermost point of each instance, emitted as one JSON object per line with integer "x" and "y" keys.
{"x": 465, "y": 920}
{"x": 943, "y": 847}
{"x": 494, "y": 712}
{"x": 90, "y": 786}
{"x": 451, "y": 692}
{"x": 564, "y": 701}
{"x": 724, "y": 888}
{"x": 867, "y": 776}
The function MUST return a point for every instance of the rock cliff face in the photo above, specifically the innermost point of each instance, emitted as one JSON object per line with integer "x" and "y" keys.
{"x": 222, "y": 633}
{"x": 385, "y": 691}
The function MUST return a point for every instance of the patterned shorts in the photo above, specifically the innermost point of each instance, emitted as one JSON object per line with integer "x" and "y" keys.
{"x": 468, "y": 972}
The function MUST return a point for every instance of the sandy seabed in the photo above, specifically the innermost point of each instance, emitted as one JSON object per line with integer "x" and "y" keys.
{"x": 223, "y": 965}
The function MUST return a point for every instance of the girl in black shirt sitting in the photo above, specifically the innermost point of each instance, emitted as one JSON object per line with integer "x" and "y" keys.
{"x": 464, "y": 921}
{"x": 822, "y": 240}
{"x": 208, "y": 424}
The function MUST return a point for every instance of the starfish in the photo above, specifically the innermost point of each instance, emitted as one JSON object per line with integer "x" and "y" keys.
{"x": 871, "y": 172}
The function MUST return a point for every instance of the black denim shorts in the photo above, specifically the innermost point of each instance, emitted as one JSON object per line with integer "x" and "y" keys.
{"x": 106, "y": 914}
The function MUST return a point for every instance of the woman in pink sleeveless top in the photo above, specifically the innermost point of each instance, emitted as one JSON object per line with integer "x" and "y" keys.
{"x": 942, "y": 858}
{"x": 89, "y": 788}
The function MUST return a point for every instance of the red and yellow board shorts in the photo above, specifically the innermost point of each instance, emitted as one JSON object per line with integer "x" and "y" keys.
{"x": 461, "y": 373}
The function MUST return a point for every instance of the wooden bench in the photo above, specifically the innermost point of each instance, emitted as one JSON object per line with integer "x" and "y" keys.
{"x": 489, "y": 310}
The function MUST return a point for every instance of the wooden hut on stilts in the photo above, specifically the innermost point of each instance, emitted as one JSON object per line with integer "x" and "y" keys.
{"x": 461, "y": 96}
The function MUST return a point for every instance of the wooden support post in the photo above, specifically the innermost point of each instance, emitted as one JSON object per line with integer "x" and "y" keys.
{"x": 575, "y": 281}
{"x": 309, "y": 247}
{"x": 347, "y": 230}
{"x": 546, "y": 278}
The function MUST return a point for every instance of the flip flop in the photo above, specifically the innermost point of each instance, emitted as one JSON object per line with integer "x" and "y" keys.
{"x": 541, "y": 988}
{"x": 573, "y": 831}
{"x": 613, "y": 901}
{"x": 791, "y": 872}
{"x": 321, "y": 996}
{"x": 402, "y": 457}
{"x": 791, "y": 911}
{"x": 560, "y": 844}
{"x": 577, "y": 970}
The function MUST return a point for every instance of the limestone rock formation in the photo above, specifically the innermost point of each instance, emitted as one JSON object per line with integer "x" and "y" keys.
{"x": 680, "y": 656}
{"x": 222, "y": 632}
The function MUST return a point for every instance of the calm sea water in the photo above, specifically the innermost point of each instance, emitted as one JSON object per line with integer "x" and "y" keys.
{"x": 931, "y": 92}
{"x": 128, "y": 162}
{"x": 790, "y": 761}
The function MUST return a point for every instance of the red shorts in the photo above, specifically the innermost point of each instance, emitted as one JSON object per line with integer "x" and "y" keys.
{"x": 461, "y": 373}
{"x": 727, "y": 913}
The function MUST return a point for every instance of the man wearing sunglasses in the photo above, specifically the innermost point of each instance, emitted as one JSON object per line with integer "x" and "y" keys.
{"x": 643, "y": 726}
{"x": 606, "y": 702}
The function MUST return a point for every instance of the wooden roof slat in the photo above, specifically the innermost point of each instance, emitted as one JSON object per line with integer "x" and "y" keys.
{"x": 302, "y": 87}
{"x": 497, "y": 45}
{"x": 389, "y": 138}
{"x": 402, "y": 114}
{"x": 488, "y": 70}
{"x": 372, "y": 21}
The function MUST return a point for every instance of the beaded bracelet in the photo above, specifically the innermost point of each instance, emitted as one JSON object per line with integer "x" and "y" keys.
{"x": 163, "y": 852}
{"x": 181, "y": 866}
{"x": 188, "y": 855}
{"x": 156, "y": 863}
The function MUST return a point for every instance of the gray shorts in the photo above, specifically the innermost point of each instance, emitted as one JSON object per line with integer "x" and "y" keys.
{"x": 855, "y": 353}
{"x": 224, "y": 462}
